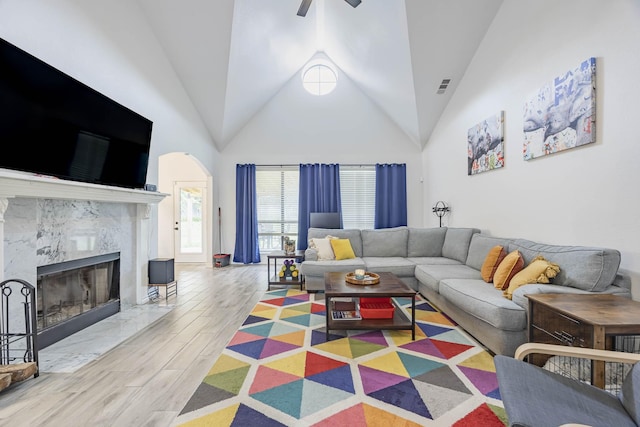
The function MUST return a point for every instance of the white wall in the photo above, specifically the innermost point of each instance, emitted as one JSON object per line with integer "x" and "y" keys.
{"x": 582, "y": 196}
{"x": 297, "y": 127}
{"x": 108, "y": 46}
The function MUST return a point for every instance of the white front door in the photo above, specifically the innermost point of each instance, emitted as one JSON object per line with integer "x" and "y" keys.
{"x": 190, "y": 222}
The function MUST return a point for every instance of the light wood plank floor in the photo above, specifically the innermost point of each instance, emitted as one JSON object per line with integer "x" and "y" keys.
{"x": 146, "y": 380}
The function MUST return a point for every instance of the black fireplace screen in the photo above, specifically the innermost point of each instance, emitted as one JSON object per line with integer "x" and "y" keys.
{"x": 67, "y": 290}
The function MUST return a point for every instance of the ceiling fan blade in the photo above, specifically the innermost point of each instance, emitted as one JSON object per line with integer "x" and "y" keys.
{"x": 354, "y": 3}
{"x": 304, "y": 7}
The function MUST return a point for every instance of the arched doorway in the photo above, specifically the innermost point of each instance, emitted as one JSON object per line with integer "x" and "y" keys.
{"x": 185, "y": 225}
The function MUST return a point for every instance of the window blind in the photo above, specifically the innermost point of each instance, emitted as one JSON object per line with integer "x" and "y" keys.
{"x": 358, "y": 194}
{"x": 277, "y": 199}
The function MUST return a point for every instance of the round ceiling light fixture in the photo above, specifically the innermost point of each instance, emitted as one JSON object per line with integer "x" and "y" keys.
{"x": 319, "y": 78}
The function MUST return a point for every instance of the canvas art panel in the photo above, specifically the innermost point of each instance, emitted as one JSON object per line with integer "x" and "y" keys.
{"x": 485, "y": 143}
{"x": 562, "y": 114}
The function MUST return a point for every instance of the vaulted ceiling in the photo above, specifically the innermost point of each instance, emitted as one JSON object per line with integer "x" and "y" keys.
{"x": 233, "y": 57}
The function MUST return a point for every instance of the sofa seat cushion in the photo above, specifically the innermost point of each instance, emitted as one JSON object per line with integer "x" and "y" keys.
{"x": 433, "y": 260}
{"x": 318, "y": 268}
{"x": 485, "y": 302}
{"x": 431, "y": 274}
{"x": 399, "y": 266}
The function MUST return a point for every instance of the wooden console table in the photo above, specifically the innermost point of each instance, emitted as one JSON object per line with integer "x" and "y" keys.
{"x": 581, "y": 321}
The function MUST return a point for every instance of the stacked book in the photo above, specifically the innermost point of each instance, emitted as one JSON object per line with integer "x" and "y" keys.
{"x": 345, "y": 310}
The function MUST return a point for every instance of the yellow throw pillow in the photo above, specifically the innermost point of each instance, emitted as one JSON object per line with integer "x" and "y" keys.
{"x": 539, "y": 270}
{"x": 509, "y": 267}
{"x": 342, "y": 249}
{"x": 491, "y": 262}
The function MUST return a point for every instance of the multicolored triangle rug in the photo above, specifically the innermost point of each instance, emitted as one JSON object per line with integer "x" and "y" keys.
{"x": 279, "y": 370}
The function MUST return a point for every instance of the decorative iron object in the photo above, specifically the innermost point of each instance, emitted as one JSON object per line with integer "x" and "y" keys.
{"x": 440, "y": 209}
{"x": 18, "y": 323}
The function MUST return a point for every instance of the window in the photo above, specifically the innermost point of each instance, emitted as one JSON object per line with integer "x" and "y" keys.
{"x": 277, "y": 199}
{"x": 319, "y": 79}
{"x": 358, "y": 194}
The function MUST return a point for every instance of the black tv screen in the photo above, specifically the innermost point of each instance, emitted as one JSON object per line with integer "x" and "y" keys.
{"x": 52, "y": 124}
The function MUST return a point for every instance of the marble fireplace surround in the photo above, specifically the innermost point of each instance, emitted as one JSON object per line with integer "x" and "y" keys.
{"x": 45, "y": 220}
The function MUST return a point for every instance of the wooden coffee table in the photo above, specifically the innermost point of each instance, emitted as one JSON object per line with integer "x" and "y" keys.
{"x": 389, "y": 286}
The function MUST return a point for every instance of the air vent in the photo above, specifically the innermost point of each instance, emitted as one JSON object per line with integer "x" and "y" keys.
{"x": 443, "y": 86}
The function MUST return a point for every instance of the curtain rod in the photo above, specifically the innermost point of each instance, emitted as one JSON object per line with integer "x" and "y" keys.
{"x": 298, "y": 164}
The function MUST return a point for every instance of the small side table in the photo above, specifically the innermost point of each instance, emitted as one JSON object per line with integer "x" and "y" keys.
{"x": 272, "y": 261}
{"x": 581, "y": 320}
{"x": 161, "y": 273}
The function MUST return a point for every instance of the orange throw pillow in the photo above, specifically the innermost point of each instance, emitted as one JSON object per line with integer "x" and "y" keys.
{"x": 509, "y": 267}
{"x": 491, "y": 262}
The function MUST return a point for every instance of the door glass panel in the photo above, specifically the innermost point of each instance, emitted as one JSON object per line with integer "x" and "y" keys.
{"x": 191, "y": 221}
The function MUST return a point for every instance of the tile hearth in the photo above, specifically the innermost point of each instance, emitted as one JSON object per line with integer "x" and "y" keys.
{"x": 85, "y": 346}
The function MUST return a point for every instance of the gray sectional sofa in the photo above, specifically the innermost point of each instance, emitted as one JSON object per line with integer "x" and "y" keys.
{"x": 443, "y": 264}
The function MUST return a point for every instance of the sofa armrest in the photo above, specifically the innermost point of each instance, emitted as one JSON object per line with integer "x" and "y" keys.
{"x": 585, "y": 353}
{"x": 311, "y": 254}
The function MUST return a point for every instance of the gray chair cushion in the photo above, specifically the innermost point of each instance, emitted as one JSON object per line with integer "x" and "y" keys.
{"x": 456, "y": 243}
{"x": 535, "y": 397}
{"x": 426, "y": 242}
{"x": 582, "y": 267}
{"x": 399, "y": 266}
{"x": 483, "y": 301}
{"x": 386, "y": 242}
{"x": 480, "y": 246}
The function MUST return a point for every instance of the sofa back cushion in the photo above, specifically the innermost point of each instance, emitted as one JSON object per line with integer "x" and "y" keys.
{"x": 385, "y": 242}
{"x": 480, "y": 246}
{"x": 426, "y": 242}
{"x": 456, "y": 243}
{"x": 588, "y": 268}
{"x": 352, "y": 234}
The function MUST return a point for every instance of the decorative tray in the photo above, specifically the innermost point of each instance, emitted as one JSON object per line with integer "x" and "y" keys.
{"x": 369, "y": 279}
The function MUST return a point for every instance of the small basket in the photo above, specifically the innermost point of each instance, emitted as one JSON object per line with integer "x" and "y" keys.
{"x": 369, "y": 279}
{"x": 221, "y": 260}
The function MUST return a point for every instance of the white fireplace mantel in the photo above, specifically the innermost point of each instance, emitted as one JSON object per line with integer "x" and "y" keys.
{"x": 19, "y": 184}
{"x": 15, "y": 185}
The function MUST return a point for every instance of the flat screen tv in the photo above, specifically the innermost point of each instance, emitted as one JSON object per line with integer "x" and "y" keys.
{"x": 324, "y": 220}
{"x": 52, "y": 124}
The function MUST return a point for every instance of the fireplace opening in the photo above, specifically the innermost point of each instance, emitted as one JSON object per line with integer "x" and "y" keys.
{"x": 75, "y": 294}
